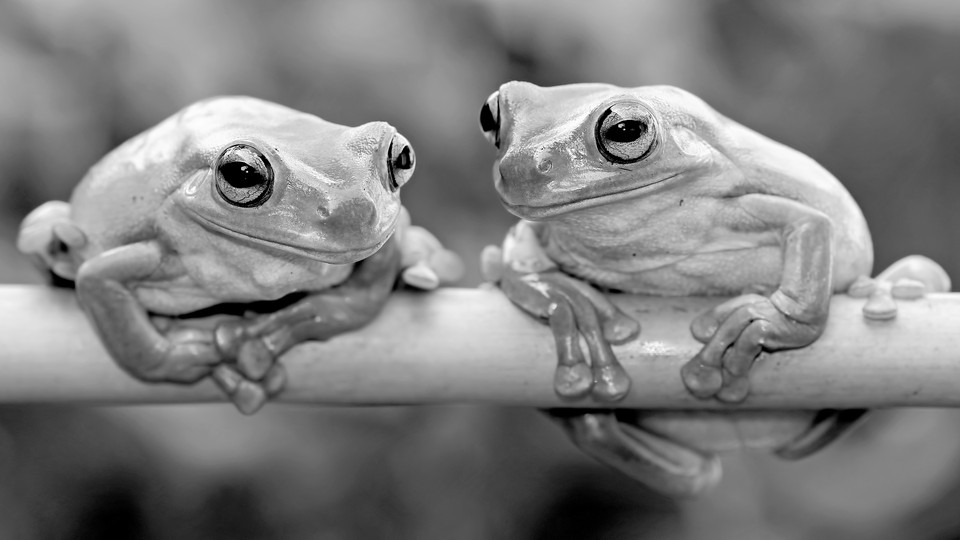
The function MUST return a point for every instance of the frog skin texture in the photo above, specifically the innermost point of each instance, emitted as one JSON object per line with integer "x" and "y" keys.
{"x": 650, "y": 191}
{"x": 230, "y": 232}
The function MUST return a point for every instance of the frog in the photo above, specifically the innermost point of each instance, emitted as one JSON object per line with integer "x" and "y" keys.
{"x": 650, "y": 191}
{"x": 213, "y": 242}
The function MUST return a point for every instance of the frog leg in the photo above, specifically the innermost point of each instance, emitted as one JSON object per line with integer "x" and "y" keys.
{"x": 257, "y": 343}
{"x": 572, "y": 314}
{"x": 739, "y": 330}
{"x": 659, "y": 463}
{"x": 908, "y": 278}
{"x": 184, "y": 355}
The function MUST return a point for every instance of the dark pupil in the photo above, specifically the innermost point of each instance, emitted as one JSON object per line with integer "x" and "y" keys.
{"x": 487, "y": 121}
{"x": 626, "y": 131}
{"x": 241, "y": 175}
{"x": 403, "y": 160}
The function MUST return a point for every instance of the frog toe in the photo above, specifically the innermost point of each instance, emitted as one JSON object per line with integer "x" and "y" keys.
{"x": 421, "y": 276}
{"x": 752, "y": 325}
{"x": 248, "y": 396}
{"x": 254, "y": 359}
{"x": 827, "y": 426}
{"x": 659, "y": 463}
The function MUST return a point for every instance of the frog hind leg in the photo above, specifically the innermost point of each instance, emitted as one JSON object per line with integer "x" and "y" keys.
{"x": 661, "y": 464}
{"x": 258, "y": 342}
{"x": 829, "y": 424}
{"x": 50, "y": 238}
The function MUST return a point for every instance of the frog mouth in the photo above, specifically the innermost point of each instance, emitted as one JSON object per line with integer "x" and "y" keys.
{"x": 541, "y": 212}
{"x": 342, "y": 256}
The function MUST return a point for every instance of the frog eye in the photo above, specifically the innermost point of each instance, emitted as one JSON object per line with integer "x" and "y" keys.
{"x": 626, "y": 133}
{"x": 244, "y": 176}
{"x": 400, "y": 162}
{"x": 490, "y": 119}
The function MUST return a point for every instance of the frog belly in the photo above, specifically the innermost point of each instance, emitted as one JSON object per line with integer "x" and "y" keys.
{"x": 698, "y": 274}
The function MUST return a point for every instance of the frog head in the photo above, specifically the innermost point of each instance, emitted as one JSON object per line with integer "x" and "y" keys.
{"x": 569, "y": 148}
{"x": 277, "y": 180}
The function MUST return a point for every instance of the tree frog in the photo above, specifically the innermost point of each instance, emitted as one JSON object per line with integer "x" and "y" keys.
{"x": 651, "y": 191}
{"x": 233, "y": 230}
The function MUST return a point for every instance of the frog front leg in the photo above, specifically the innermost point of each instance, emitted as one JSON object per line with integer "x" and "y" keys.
{"x": 182, "y": 355}
{"x": 258, "y": 342}
{"x": 739, "y": 330}
{"x": 572, "y": 308}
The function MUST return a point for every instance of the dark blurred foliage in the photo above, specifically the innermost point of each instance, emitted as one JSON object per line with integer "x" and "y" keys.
{"x": 869, "y": 89}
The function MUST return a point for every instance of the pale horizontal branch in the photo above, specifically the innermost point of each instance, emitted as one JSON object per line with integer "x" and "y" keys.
{"x": 466, "y": 345}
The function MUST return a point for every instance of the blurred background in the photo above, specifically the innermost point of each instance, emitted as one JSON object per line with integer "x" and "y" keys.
{"x": 869, "y": 89}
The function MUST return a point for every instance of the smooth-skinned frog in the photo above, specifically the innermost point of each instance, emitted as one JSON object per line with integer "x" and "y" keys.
{"x": 650, "y": 191}
{"x": 230, "y": 232}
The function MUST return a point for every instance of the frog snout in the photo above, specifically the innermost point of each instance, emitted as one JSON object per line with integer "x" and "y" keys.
{"x": 537, "y": 164}
{"x": 348, "y": 218}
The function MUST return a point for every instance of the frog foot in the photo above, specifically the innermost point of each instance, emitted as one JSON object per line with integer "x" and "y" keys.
{"x": 426, "y": 263}
{"x": 250, "y": 373}
{"x": 48, "y": 236}
{"x": 575, "y": 310}
{"x": 661, "y": 464}
{"x": 736, "y": 333}
{"x": 909, "y": 278}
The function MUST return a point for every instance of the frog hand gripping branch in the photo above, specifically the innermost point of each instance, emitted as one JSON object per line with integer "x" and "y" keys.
{"x": 230, "y": 232}
{"x": 650, "y": 191}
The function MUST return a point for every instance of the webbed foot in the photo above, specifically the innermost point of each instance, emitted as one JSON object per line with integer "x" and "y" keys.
{"x": 909, "y": 278}
{"x": 426, "y": 263}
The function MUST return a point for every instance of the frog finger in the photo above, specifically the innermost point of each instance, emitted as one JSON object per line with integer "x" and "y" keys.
{"x": 275, "y": 380}
{"x": 703, "y": 373}
{"x": 246, "y": 395}
{"x": 739, "y": 358}
{"x": 421, "y": 276}
{"x": 572, "y": 378}
{"x": 610, "y": 381}
{"x": 447, "y": 265}
{"x": 618, "y": 327}
{"x": 705, "y": 325}
{"x": 254, "y": 359}
{"x": 491, "y": 264}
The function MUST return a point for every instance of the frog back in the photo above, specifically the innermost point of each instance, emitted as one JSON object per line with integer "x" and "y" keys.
{"x": 117, "y": 201}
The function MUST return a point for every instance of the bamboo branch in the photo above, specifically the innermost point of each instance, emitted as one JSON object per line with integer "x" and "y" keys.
{"x": 465, "y": 345}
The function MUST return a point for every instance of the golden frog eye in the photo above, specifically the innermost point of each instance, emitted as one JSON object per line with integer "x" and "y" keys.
{"x": 400, "y": 162}
{"x": 244, "y": 176}
{"x": 626, "y": 133}
{"x": 490, "y": 119}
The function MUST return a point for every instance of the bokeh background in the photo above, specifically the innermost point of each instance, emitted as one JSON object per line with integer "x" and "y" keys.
{"x": 869, "y": 89}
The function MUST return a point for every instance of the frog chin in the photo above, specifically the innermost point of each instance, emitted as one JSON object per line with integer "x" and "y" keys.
{"x": 547, "y": 211}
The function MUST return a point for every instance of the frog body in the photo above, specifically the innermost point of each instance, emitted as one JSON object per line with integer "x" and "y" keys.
{"x": 230, "y": 201}
{"x": 649, "y": 190}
